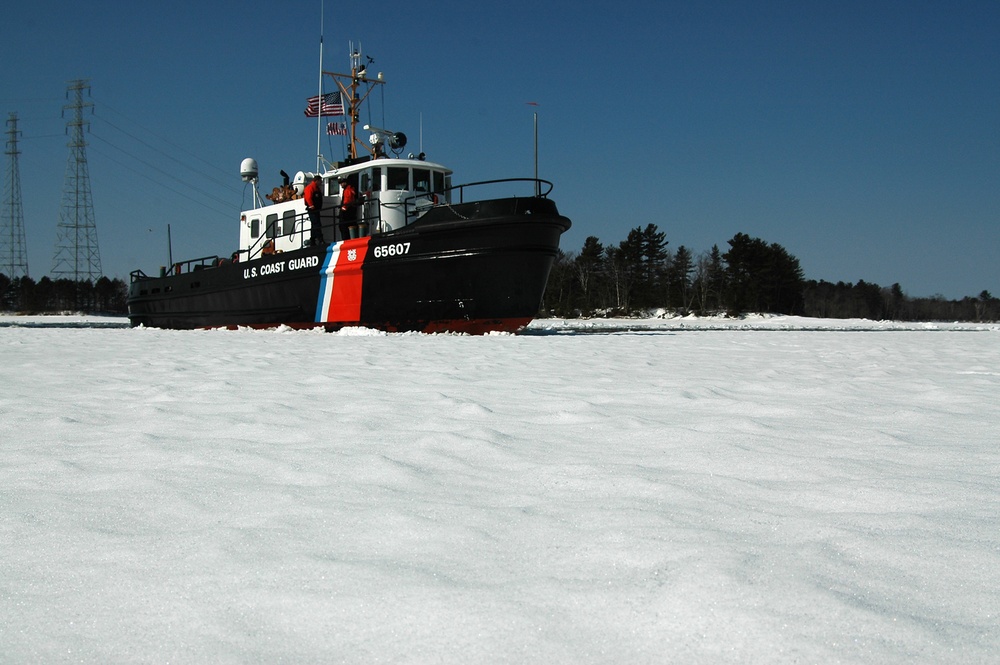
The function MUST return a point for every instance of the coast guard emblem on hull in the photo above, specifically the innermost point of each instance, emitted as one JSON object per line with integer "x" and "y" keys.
{"x": 352, "y": 255}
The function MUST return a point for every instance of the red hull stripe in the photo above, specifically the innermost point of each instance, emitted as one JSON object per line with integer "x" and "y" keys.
{"x": 340, "y": 290}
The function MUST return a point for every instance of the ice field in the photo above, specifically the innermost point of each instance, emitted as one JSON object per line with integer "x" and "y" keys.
{"x": 679, "y": 491}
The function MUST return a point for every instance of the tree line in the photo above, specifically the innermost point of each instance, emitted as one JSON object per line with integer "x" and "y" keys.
{"x": 25, "y": 295}
{"x": 640, "y": 275}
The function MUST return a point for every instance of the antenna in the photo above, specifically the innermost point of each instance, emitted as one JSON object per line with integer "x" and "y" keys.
{"x": 319, "y": 116}
{"x": 77, "y": 256}
{"x": 349, "y": 91}
{"x": 538, "y": 185}
{"x": 13, "y": 262}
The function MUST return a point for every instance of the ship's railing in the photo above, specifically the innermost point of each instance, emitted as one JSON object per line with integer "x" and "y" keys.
{"x": 418, "y": 204}
{"x": 268, "y": 243}
{"x": 191, "y": 265}
{"x": 372, "y": 222}
{"x": 265, "y": 245}
{"x": 537, "y": 193}
{"x": 180, "y": 267}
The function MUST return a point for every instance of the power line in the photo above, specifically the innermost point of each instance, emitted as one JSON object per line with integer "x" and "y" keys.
{"x": 163, "y": 172}
{"x": 187, "y": 187}
{"x": 214, "y": 167}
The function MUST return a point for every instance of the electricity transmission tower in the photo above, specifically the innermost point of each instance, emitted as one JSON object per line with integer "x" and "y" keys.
{"x": 13, "y": 261}
{"x": 77, "y": 256}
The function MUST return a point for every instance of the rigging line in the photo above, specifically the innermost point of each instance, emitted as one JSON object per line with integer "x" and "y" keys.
{"x": 167, "y": 174}
{"x": 207, "y": 176}
{"x": 343, "y": 145}
{"x": 165, "y": 140}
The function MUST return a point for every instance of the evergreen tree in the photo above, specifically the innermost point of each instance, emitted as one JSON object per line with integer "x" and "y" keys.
{"x": 895, "y": 302}
{"x": 986, "y": 307}
{"x": 680, "y": 292}
{"x": 654, "y": 265}
{"x": 110, "y": 296}
{"x": 870, "y": 298}
{"x": 589, "y": 266}
{"x": 762, "y": 277}
{"x": 6, "y": 292}
{"x": 639, "y": 268}
{"x": 31, "y": 297}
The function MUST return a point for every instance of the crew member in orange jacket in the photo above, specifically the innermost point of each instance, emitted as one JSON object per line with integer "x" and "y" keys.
{"x": 313, "y": 196}
{"x": 349, "y": 202}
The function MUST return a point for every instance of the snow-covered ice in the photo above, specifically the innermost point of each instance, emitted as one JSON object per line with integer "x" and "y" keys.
{"x": 666, "y": 491}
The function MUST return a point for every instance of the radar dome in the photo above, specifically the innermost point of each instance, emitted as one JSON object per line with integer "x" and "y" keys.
{"x": 299, "y": 181}
{"x": 248, "y": 169}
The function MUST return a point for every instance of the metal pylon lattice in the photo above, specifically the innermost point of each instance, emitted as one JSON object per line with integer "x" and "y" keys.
{"x": 13, "y": 259}
{"x": 77, "y": 255}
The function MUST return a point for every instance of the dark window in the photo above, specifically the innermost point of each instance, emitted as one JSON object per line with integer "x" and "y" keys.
{"x": 421, "y": 180}
{"x": 398, "y": 178}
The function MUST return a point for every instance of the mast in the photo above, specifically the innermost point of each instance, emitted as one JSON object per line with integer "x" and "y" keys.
{"x": 319, "y": 117}
{"x": 355, "y": 79}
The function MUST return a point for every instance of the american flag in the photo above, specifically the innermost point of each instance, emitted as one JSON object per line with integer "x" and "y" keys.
{"x": 332, "y": 104}
{"x": 336, "y": 128}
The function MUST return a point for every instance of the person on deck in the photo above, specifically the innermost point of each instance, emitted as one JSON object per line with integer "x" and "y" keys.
{"x": 313, "y": 196}
{"x": 349, "y": 202}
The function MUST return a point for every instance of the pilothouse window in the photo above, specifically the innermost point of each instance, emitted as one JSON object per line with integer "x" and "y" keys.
{"x": 289, "y": 223}
{"x": 270, "y": 229}
{"x": 422, "y": 180}
{"x": 371, "y": 180}
{"x": 255, "y": 227}
{"x": 398, "y": 178}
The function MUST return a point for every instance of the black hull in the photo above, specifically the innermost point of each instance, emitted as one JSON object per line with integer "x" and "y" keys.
{"x": 475, "y": 268}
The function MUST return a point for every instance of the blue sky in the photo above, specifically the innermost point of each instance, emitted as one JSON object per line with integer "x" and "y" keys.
{"x": 864, "y": 137}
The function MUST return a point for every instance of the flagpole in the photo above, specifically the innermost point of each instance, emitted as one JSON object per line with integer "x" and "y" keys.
{"x": 319, "y": 116}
